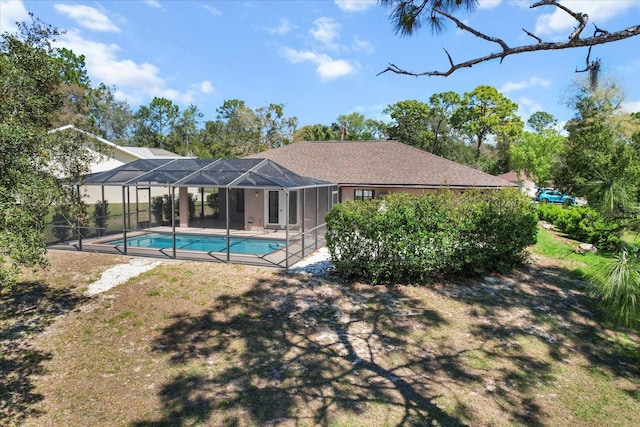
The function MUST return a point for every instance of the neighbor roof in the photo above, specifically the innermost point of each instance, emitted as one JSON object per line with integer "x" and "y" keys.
{"x": 231, "y": 173}
{"x": 138, "y": 152}
{"x": 513, "y": 176}
{"x": 377, "y": 163}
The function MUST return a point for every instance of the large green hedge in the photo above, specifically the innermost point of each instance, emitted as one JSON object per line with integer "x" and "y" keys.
{"x": 583, "y": 224}
{"x": 404, "y": 238}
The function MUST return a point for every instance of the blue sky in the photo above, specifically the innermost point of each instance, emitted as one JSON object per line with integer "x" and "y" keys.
{"x": 320, "y": 58}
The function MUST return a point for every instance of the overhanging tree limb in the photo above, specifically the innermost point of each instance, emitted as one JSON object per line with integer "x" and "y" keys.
{"x": 574, "y": 41}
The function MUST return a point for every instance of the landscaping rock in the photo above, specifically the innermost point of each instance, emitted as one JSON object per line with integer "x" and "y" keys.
{"x": 586, "y": 247}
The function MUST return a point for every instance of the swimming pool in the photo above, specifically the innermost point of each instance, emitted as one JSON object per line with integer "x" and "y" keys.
{"x": 239, "y": 245}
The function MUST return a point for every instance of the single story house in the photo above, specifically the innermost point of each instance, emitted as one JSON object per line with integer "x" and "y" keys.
{"x": 109, "y": 156}
{"x": 283, "y": 193}
{"x": 526, "y": 184}
{"x": 367, "y": 169}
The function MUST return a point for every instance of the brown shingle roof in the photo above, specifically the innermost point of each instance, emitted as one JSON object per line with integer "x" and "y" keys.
{"x": 513, "y": 176}
{"x": 377, "y": 163}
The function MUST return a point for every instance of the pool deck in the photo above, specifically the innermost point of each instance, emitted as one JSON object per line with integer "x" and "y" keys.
{"x": 276, "y": 259}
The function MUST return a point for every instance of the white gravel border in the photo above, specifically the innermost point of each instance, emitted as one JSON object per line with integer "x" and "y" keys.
{"x": 120, "y": 273}
{"x": 315, "y": 264}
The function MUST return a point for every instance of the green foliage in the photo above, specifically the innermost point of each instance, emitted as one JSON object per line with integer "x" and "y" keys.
{"x": 408, "y": 17}
{"x": 541, "y": 121}
{"x": 166, "y": 208}
{"x": 617, "y": 286}
{"x": 600, "y": 161}
{"x": 410, "y": 123}
{"x": 356, "y": 127}
{"x": 100, "y": 216}
{"x": 157, "y": 209}
{"x": 240, "y": 130}
{"x": 155, "y": 123}
{"x": 213, "y": 201}
{"x": 62, "y": 223}
{"x": 536, "y": 153}
{"x": 34, "y": 79}
{"x": 317, "y": 132}
{"x": 161, "y": 208}
{"x": 405, "y": 238}
{"x": 191, "y": 200}
{"x": 485, "y": 112}
{"x": 583, "y": 224}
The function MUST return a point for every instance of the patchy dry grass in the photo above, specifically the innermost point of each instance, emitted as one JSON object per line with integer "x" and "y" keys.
{"x": 226, "y": 345}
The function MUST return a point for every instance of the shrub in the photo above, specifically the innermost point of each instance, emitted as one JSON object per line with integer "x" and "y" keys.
{"x": 100, "y": 216}
{"x": 583, "y": 224}
{"x": 166, "y": 208}
{"x": 213, "y": 201}
{"x": 405, "y": 238}
{"x": 61, "y": 223}
{"x": 549, "y": 212}
{"x": 157, "y": 208}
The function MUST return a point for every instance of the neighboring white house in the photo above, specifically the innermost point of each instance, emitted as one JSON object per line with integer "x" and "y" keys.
{"x": 116, "y": 155}
{"x": 524, "y": 183}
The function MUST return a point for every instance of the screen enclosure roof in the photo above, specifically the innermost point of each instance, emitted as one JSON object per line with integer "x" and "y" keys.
{"x": 226, "y": 173}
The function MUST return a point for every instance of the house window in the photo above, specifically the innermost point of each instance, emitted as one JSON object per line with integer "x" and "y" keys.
{"x": 363, "y": 194}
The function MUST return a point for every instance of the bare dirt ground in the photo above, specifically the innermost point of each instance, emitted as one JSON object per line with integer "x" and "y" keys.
{"x": 200, "y": 344}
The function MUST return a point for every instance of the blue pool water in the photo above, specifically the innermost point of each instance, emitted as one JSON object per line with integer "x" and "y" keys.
{"x": 237, "y": 245}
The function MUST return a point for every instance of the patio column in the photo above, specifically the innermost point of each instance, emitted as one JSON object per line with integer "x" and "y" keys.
{"x": 184, "y": 207}
{"x": 173, "y": 221}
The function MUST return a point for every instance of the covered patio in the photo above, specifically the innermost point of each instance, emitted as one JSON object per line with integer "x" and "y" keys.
{"x": 264, "y": 213}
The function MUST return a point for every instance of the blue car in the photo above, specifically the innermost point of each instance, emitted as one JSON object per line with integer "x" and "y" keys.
{"x": 555, "y": 196}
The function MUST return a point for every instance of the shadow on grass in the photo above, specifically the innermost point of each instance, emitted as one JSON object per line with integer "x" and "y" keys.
{"x": 25, "y": 310}
{"x": 548, "y": 310}
{"x": 317, "y": 352}
{"x": 299, "y": 353}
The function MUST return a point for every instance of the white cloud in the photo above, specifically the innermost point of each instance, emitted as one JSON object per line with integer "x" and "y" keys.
{"x": 88, "y": 17}
{"x": 523, "y": 84}
{"x": 599, "y": 11}
{"x": 327, "y": 68}
{"x": 206, "y": 87}
{"x": 135, "y": 82}
{"x": 284, "y": 27}
{"x": 631, "y": 107}
{"x": 374, "y": 112}
{"x": 213, "y": 10}
{"x": 362, "y": 46}
{"x": 153, "y": 3}
{"x": 355, "y": 5}
{"x": 527, "y": 107}
{"x": 489, "y": 4}
{"x": 12, "y": 12}
{"x": 326, "y": 31}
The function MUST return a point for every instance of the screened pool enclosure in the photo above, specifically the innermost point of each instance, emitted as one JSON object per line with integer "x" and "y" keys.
{"x": 249, "y": 211}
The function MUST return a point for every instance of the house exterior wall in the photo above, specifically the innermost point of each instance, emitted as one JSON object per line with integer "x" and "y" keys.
{"x": 253, "y": 210}
{"x": 113, "y": 158}
{"x": 348, "y": 192}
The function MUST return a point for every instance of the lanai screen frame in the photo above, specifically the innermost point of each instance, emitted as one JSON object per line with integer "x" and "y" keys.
{"x": 228, "y": 174}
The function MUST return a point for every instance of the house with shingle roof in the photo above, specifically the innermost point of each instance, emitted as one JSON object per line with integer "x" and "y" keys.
{"x": 107, "y": 156}
{"x": 368, "y": 169}
{"x": 112, "y": 155}
{"x": 527, "y": 185}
